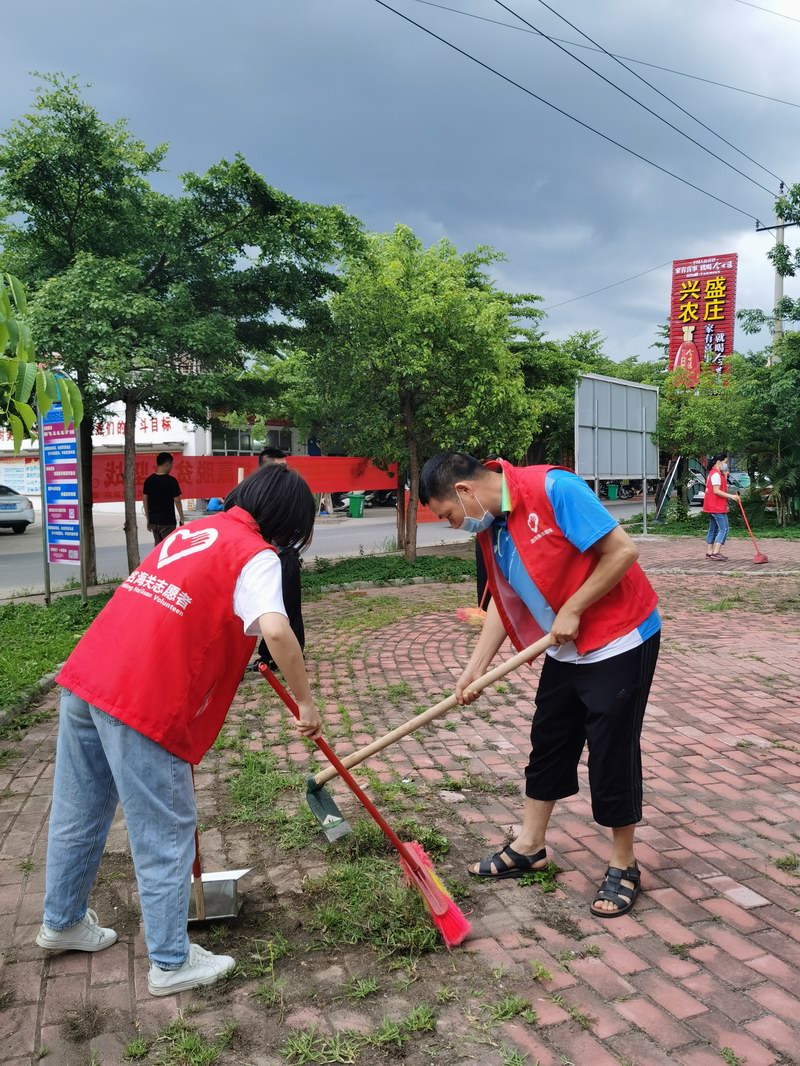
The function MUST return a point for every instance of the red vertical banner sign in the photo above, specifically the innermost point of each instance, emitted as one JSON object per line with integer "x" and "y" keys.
{"x": 702, "y": 314}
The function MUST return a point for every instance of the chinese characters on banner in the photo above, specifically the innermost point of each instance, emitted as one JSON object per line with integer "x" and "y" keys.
{"x": 62, "y": 518}
{"x": 702, "y": 314}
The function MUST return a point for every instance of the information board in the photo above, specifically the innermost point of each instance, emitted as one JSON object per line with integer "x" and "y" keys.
{"x": 61, "y": 505}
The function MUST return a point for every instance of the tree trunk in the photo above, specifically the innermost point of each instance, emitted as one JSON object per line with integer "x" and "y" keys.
{"x": 129, "y": 483}
{"x": 401, "y": 510}
{"x": 87, "y": 503}
{"x": 413, "y": 479}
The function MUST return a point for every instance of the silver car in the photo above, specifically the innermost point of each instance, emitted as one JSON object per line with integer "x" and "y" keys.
{"x": 16, "y": 510}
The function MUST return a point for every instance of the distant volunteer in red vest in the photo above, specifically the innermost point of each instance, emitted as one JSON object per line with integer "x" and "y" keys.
{"x": 146, "y": 692}
{"x": 715, "y": 505}
{"x": 558, "y": 562}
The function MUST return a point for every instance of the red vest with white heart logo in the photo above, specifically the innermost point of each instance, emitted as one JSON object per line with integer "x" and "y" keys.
{"x": 557, "y": 569}
{"x": 713, "y": 504}
{"x": 167, "y": 652}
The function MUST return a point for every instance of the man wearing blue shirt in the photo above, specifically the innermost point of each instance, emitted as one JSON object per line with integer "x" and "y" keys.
{"x": 559, "y": 563}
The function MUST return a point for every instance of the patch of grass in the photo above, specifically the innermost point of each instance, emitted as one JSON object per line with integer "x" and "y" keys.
{"x": 260, "y": 963}
{"x": 34, "y": 639}
{"x": 14, "y": 727}
{"x": 727, "y": 603}
{"x": 512, "y": 1057}
{"x": 366, "y": 901}
{"x": 574, "y": 1011}
{"x": 730, "y": 1057}
{"x": 784, "y": 746}
{"x": 26, "y": 866}
{"x": 181, "y": 1044}
{"x": 309, "y": 1046}
{"x": 255, "y": 791}
{"x": 400, "y": 691}
{"x": 7, "y": 755}
{"x": 445, "y": 994}
{"x": 361, "y": 988}
{"x": 541, "y": 973}
{"x": 138, "y": 1048}
{"x": 386, "y": 568}
{"x": 391, "y": 794}
{"x": 681, "y": 951}
{"x": 479, "y": 783}
{"x": 789, "y": 863}
{"x": 744, "y": 743}
{"x": 544, "y": 878}
{"x": 511, "y": 1007}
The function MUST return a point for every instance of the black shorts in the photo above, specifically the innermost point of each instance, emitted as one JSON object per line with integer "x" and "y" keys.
{"x": 601, "y": 704}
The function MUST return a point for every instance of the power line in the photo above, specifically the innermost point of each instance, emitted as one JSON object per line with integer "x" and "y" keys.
{"x": 615, "y": 55}
{"x": 768, "y": 10}
{"x": 561, "y": 111}
{"x": 635, "y": 100}
{"x": 605, "y": 288}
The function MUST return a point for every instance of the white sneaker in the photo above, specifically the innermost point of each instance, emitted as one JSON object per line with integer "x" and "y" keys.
{"x": 201, "y": 968}
{"x": 85, "y": 935}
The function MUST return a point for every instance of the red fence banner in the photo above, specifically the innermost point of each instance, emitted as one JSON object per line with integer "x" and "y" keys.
{"x": 204, "y": 476}
{"x": 702, "y": 310}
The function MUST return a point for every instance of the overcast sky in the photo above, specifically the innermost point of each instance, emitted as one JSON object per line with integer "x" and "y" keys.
{"x": 340, "y": 101}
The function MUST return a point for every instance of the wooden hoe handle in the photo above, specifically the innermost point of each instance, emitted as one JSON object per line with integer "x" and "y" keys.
{"x": 527, "y": 655}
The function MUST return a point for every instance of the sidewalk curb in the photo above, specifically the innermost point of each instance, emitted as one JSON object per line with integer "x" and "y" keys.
{"x": 44, "y": 685}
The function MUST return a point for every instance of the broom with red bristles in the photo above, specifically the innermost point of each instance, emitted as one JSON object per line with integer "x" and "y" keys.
{"x": 416, "y": 864}
{"x": 474, "y": 615}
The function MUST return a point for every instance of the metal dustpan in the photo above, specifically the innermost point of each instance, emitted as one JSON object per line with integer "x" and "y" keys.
{"x": 221, "y": 895}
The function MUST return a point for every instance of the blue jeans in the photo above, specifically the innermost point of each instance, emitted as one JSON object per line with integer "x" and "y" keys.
{"x": 717, "y": 529}
{"x": 99, "y": 762}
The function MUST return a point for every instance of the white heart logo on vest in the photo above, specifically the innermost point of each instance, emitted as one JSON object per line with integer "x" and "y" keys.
{"x": 198, "y": 542}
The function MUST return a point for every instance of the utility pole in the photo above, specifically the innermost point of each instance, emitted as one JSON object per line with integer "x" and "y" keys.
{"x": 777, "y": 321}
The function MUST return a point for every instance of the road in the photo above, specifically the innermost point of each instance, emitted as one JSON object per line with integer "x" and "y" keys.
{"x": 21, "y": 569}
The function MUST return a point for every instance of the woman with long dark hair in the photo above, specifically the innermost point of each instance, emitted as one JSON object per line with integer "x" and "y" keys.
{"x": 146, "y": 692}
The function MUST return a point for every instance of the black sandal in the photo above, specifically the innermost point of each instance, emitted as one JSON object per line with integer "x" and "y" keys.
{"x": 522, "y": 864}
{"x": 615, "y": 892}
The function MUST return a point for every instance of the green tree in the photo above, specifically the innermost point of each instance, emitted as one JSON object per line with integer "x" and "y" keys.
{"x": 22, "y": 381}
{"x": 786, "y": 261}
{"x": 417, "y": 354}
{"x": 156, "y": 301}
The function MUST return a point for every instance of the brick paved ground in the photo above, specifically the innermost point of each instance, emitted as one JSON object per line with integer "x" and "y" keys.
{"x": 710, "y": 960}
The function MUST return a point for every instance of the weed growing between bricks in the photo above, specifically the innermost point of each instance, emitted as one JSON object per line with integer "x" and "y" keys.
{"x": 181, "y": 1044}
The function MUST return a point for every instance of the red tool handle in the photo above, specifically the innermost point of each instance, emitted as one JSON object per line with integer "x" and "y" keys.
{"x": 744, "y": 516}
{"x": 405, "y": 853}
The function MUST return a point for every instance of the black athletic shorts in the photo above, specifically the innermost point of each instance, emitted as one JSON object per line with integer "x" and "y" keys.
{"x": 601, "y": 704}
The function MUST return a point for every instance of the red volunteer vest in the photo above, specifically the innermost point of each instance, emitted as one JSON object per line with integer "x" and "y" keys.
{"x": 713, "y": 504}
{"x": 166, "y": 654}
{"x": 557, "y": 569}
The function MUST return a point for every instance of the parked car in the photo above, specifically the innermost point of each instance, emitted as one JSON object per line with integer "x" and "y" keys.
{"x": 16, "y": 510}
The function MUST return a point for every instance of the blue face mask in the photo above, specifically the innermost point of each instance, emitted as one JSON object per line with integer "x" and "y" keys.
{"x": 475, "y": 525}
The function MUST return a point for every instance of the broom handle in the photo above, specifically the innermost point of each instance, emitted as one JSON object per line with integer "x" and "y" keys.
{"x": 197, "y": 874}
{"x": 744, "y": 516}
{"x": 525, "y": 656}
{"x": 406, "y": 853}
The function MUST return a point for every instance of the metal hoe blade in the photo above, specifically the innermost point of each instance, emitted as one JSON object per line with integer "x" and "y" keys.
{"x": 331, "y": 820}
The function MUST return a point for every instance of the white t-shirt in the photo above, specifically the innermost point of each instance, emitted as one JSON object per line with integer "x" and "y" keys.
{"x": 715, "y": 479}
{"x": 259, "y": 590}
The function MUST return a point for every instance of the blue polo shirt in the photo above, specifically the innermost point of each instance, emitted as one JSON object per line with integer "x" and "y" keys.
{"x": 583, "y": 520}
